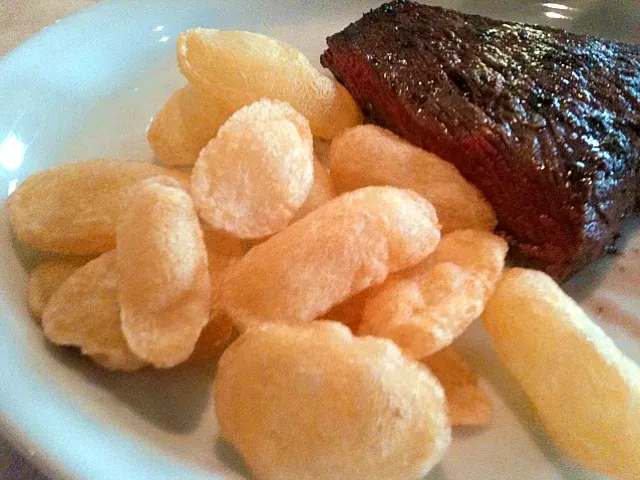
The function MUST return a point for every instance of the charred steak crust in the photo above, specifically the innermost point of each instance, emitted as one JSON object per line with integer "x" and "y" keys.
{"x": 544, "y": 122}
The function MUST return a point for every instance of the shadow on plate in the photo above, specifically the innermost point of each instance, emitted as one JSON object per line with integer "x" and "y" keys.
{"x": 174, "y": 400}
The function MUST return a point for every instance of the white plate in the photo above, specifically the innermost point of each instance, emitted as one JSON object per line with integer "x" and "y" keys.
{"x": 87, "y": 87}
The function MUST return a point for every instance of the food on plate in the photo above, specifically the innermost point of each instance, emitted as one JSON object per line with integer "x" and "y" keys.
{"x": 184, "y": 125}
{"x": 73, "y": 208}
{"x": 252, "y": 178}
{"x": 585, "y": 390}
{"x": 240, "y": 68}
{"x": 482, "y": 253}
{"x": 425, "y": 313}
{"x": 163, "y": 283}
{"x": 370, "y": 155}
{"x": 83, "y": 312}
{"x": 318, "y": 305}
{"x": 350, "y": 243}
{"x": 542, "y": 121}
{"x": 349, "y": 312}
{"x": 321, "y": 191}
{"x": 223, "y": 250}
{"x": 321, "y": 151}
{"x": 467, "y": 404}
{"x": 213, "y": 339}
{"x": 314, "y": 402}
{"x": 425, "y": 308}
{"x": 46, "y": 278}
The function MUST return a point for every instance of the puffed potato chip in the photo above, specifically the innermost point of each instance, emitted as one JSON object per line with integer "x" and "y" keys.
{"x": 478, "y": 251}
{"x": 213, "y": 339}
{"x": 321, "y": 151}
{"x": 348, "y": 244}
{"x": 585, "y": 391}
{"x": 425, "y": 308}
{"x": 223, "y": 250}
{"x": 84, "y": 312}
{"x": 313, "y": 402}
{"x": 349, "y": 312}
{"x": 73, "y": 208}
{"x": 321, "y": 191}
{"x": 252, "y": 178}
{"x": 370, "y": 155}
{"x": 425, "y": 313}
{"x": 164, "y": 288}
{"x": 467, "y": 404}
{"x": 184, "y": 125}
{"x": 239, "y": 68}
{"x": 46, "y": 278}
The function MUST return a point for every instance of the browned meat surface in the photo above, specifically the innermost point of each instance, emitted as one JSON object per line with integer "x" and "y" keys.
{"x": 546, "y": 123}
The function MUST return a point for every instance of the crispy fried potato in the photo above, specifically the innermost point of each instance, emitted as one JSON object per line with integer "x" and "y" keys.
{"x": 321, "y": 151}
{"x": 73, "y": 208}
{"x": 467, "y": 404}
{"x": 83, "y": 312}
{"x": 164, "y": 287}
{"x": 46, "y": 278}
{"x": 239, "y": 68}
{"x": 425, "y": 308}
{"x": 213, "y": 339}
{"x": 370, "y": 155}
{"x": 223, "y": 250}
{"x": 426, "y": 313}
{"x": 321, "y": 191}
{"x": 350, "y": 243}
{"x": 586, "y": 392}
{"x": 349, "y": 312}
{"x": 252, "y": 178}
{"x": 297, "y": 401}
{"x": 184, "y": 125}
{"x": 478, "y": 251}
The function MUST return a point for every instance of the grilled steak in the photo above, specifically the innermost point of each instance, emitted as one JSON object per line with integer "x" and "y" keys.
{"x": 544, "y": 122}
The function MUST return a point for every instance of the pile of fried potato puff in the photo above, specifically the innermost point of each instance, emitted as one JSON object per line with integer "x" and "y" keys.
{"x": 347, "y": 260}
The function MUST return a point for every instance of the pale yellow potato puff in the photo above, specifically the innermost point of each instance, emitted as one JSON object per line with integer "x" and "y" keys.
{"x": 585, "y": 390}
{"x": 84, "y": 312}
{"x": 223, "y": 250}
{"x": 321, "y": 191}
{"x": 370, "y": 155}
{"x": 164, "y": 288}
{"x": 467, "y": 404}
{"x": 46, "y": 278}
{"x": 425, "y": 308}
{"x": 239, "y": 68}
{"x": 252, "y": 178}
{"x": 73, "y": 208}
{"x": 425, "y": 313}
{"x": 184, "y": 125}
{"x": 313, "y": 402}
{"x": 349, "y": 312}
{"x": 350, "y": 243}
{"x": 321, "y": 151}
